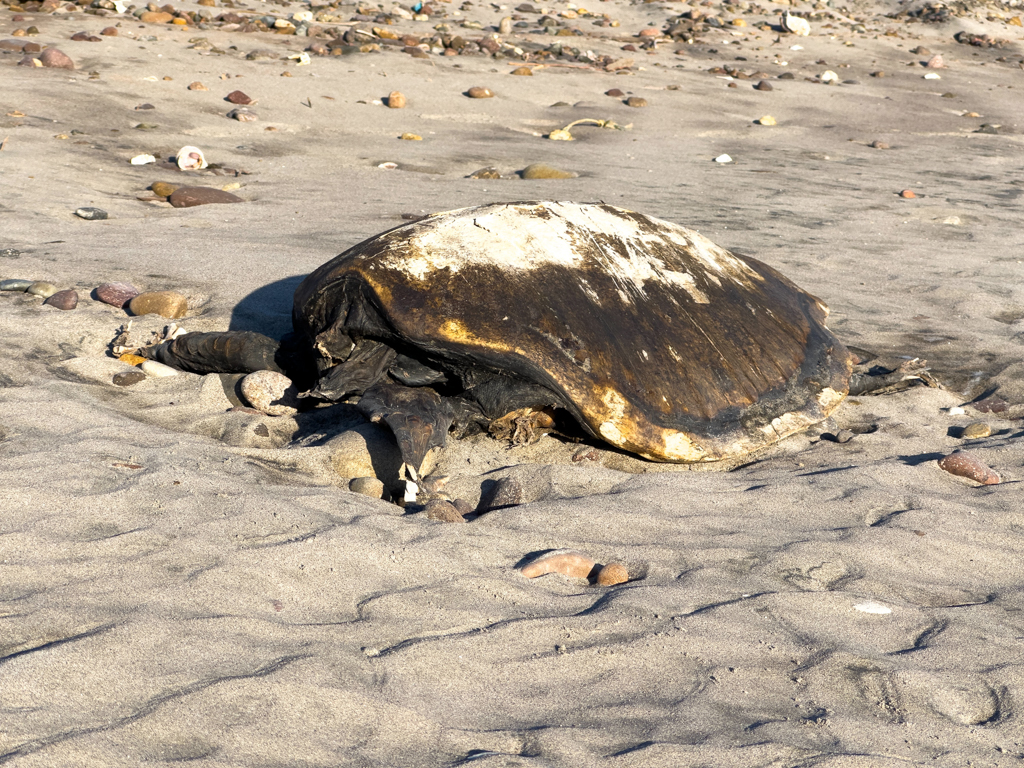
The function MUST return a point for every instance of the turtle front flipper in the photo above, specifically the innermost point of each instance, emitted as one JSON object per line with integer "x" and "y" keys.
{"x": 419, "y": 419}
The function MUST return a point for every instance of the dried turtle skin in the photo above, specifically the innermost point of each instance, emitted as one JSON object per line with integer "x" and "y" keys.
{"x": 654, "y": 339}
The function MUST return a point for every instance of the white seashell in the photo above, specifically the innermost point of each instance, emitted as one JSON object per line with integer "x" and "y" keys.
{"x": 723, "y": 159}
{"x": 300, "y": 16}
{"x": 956, "y": 410}
{"x": 828, "y": 76}
{"x": 796, "y": 47}
{"x": 157, "y": 370}
{"x": 932, "y": 76}
{"x": 795, "y": 25}
{"x": 388, "y": 166}
{"x": 301, "y": 59}
{"x": 191, "y": 159}
{"x": 143, "y": 160}
{"x": 872, "y": 607}
{"x": 119, "y": 6}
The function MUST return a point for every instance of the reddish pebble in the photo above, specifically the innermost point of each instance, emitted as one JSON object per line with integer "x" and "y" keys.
{"x": 109, "y": 32}
{"x": 188, "y": 197}
{"x": 935, "y": 62}
{"x": 63, "y": 300}
{"x": 908, "y": 193}
{"x": 116, "y": 294}
{"x": 51, "y": 57}
{"x": 237, "y": 97}
{"x": 649, "y": 32}
{"x": 615, "y": 93}
{"x": 963, "y": 464}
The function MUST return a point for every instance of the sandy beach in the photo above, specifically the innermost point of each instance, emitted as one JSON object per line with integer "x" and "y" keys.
{"x": 185, "y": 580}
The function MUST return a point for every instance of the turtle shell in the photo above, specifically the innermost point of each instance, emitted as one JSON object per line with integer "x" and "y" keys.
{"x": 654, "y": 338}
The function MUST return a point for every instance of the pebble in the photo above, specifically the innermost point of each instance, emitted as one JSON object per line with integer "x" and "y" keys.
{"x": 932, "y": 76}
{"x": 908, "y": 194}
{"x": 478, "y": 92}
{"x": 142, "y": 160}
{"x": 30, "y": 61}
{"x": 42, "y": 288}
{"x": 91, "y": 214}
{"x": 763, "y": 85}
{"x": 197, "y": 86}
{"x": 396, "y": 100}
{"x": 157, "y": 370}
{"x": 508, "y": 492}
{"x": 63, "y": 299}
{"x": 237, "y": 97}
{"x": 615, "y": 93}
{"x": 636, "y": 101}
{"x": 9, "y": 253}
{"x": 575, "y": 565}
{"x": 723, "y": 159}
{"x": 156, "y": 17}
{"x": 976, "y": 430}
{"x": 443, "y": 512}
{"x": 271, "y": 392}
{"x": 169, "y": 304}
{"x": 367, "y": 486}
{"x": 486, "y": 173}
{"x": 15, "y": 284}
{"x": 545, "y": 171}
{"x": 109, "y": 31}
{"x": 767, "y": 120}
{"x": 611, "y": 574}
{"x": 56, "y": 59}
{"x": 116, "y": 294}
{"x": 964, "y": 464}
{"x": 522, "y": 71}
{"x": 188, "y": 197}
{"x": 163, "y": 188}
{"x": 131, "y": 359}
{"x": 127, "y": 378}
{"x": 411, "y": 137}
{"x": 935, "y": 62}
{"x": 879, "y": 145}
{"x": 828, "y": 76}
{"x": 243, "y": 115}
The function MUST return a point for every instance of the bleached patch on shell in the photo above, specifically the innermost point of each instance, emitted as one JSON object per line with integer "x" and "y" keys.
{"x": 530, "y": 236}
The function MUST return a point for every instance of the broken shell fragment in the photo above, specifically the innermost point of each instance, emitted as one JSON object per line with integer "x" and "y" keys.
{"x": 795, "y": 25}
{"x": 190, "y": 159}
{"x": 963, "y": 464}
{"x": 575, "y": 565}
{"x": 143, "y": 160}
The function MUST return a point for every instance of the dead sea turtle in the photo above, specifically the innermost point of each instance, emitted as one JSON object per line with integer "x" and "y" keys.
{"x": 505, "y": 316}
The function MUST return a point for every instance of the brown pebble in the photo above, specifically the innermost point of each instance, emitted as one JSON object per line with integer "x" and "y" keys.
{"x": 575, "y": 565}
{"x": 109, "y": 32}
{"x": 188, "y": 197}
{"x": 522, "y": 71}
{"x": 237, "y": 97}
{"x": 879, "y": 145}
{"x": 116, "y": 294}
{"x": 396, "y": 100}
{"x": 367, "y": 486}
{"x": 53, "y": 58}
{"x": 443, "y": 512}
{"x": 156, "y": 17}
{"x": 489, "y": 172}
{"x": 197, "y": 86}
{"x": 30, "y": 61}
{"x": 464, "y": 507}
{"x": 636, "y": 101}
{"x": 478, "y": 92}
{"x": 163, "y": 188}
{"x": 976, "y": 430}
{"x": 763, "y": 85}
{"x": 964, "y": 464}
{"x": 611, "y": 574}
{"x": 243, "y": 115}
{"x": 127, "y": 378}
{"x": 731, "y": 85}
{"x": 63, "y": 299}
{"x": 908, "y": 194}
{"x": 615, "y": 93}
{"x": 545, "y": 171}
{"x": 164, "y": 303}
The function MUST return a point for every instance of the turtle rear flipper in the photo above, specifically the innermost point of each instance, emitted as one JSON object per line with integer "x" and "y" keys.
{"x": 226, "y": 352}
{"x": 419, "y": 419}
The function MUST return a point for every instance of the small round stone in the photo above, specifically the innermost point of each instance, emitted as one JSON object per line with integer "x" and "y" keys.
{"x": 879, "y": 145}
{"x": 157, "y": 370}
{"x": 522, "y": 72}
{"x": 443, "y": 512}
{"x": 396, "y": 100}
{"x": 9, "y": 253}
{"x": 611, "y": 574}
{"x": 636, "y": 101}
{"x": 188, "y": 197}
{"x": 976, "y": 430}
{"x": 411, "y": 137}
{"x": 116, "y": 294}
{"x": 767, "y": 120}
{"x": 131, "y": 359}
{"x": 163, "y": 188}
{"x": 908, "y": 194}
{"x": 127, "y": 378}
{"x": 367, "y": 486}
{"x": 270, "y": 392}
{"x": 91, "y": 214}
{"x": 15, "y": 284}
{"x": 42, "y": 288}
{"x": 156, "y": 17}
{"x": 109, "y": 31}
{"x": 243, "y": 115}
{"x": 615, "y": 93}
{"x": 63, "y": 299}
{"x": 197, "y": 86}
{"x": 169, "y": 304}
{"x": 478, "y": 92}
{"x": 489, "y": 172}
{"x": 51, "y": 57}
{"x": 238, "y": 97}
{"x": 764, "y": 85}
{"x": 545, "y": 171}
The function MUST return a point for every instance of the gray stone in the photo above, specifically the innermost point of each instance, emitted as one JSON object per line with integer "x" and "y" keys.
{"x": 92, "y": 214}
{"x": 367, "y": 486}
{"x": 15, "y": 284}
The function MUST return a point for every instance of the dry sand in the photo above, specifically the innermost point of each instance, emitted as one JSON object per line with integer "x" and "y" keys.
{"x": 176, "y": 588}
